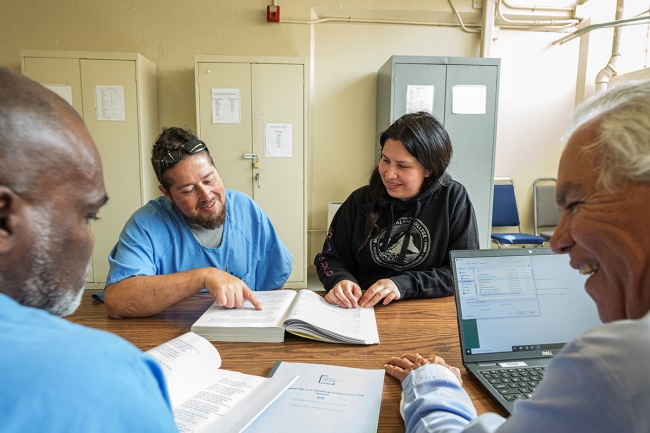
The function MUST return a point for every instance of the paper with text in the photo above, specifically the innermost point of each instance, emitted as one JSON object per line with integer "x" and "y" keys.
{"x": 109, "y": 103}
{"x": 226, "y": 106}
{"x": 275, "y": 302}
{"x": 325, "y": 398}
{"x": 356, "y": 323}
{"x": 278, "y": 140}
{"x": 419, "y": 98}
{"x": 204, "y": 397}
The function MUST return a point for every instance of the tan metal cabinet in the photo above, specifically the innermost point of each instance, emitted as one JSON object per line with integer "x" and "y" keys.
{"x": 251, "y": 112}
{"x": 115, "y": 94}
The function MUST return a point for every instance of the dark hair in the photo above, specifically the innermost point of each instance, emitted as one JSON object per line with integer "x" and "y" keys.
{"x": 427, "y": 140}
{"x": 170, "y": 139}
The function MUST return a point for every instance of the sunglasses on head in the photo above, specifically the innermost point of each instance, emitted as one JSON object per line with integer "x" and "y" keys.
{"x": 173, "y": 156}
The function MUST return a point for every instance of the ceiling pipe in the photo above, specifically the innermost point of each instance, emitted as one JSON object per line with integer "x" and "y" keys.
{"x": 537, "y": 8}
{"x": 462, "y": 25}
{"x": 546, "y": 25}
{"x": 587, "y": 29}
{"x": 603, "y": 77}
{"x": 535, "y": 22}
{"x": 372, "y": 21}
{"x": 487, "y": 27}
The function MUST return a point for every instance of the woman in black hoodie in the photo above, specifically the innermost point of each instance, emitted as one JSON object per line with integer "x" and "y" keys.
{"x": 392, "y": 237}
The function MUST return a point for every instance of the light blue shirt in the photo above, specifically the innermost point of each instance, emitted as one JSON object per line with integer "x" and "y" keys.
{"x": 598, "y": 383}
{"x": 157, "y": 240}
{"x": 56, "y": 376}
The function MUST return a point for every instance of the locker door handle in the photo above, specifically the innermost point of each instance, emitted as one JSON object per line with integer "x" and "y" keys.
{"x": 258, "y": 178}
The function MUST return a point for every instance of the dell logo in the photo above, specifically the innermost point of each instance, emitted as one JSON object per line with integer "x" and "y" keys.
{"x": 547, "y": 352}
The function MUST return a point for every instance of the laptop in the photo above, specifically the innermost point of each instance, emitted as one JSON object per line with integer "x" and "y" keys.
{"x": 516, "y": 309}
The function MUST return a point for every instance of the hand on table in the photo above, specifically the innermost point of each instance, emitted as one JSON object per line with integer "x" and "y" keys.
{"x": 345, "y": 294}
{"x": 383, "y": 289}
{"x": 229, "y": 291}
{"x": 400, "y": 366}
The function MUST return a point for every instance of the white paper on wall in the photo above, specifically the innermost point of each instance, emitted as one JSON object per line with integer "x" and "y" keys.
{"x": 419, "y": 98}
{"x": 469, "y": 99}
{"x": 277, "y": 140}
{"x": 63, "y": 90}
{"x": 109, "y": 103}
{"x": 226, "y": 106}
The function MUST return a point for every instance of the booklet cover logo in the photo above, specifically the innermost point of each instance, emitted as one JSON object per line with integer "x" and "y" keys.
{"x": 326, "y": 380}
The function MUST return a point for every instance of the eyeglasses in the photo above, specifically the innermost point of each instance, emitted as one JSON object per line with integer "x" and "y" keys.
{"x": 173, "y": 156}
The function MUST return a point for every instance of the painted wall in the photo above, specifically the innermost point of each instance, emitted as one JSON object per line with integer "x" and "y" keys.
{"x": 538, "y": 82}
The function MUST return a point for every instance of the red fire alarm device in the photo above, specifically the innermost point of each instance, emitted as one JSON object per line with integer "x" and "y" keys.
{"x": 272, "y": 14}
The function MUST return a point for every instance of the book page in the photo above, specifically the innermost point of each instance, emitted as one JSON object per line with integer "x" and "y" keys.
{"x": 185, "y": 361}
{"x": 188, "y": 345}
{"x": 315, "y": 310}
{"x": 222, "y": 390}
{"x": 249, "y": 408}
{"x": 203, "y": 396}
{"x": 275, "y": 302}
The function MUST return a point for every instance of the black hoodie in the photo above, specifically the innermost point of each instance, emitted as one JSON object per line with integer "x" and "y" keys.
{"x": 414, "y": 253}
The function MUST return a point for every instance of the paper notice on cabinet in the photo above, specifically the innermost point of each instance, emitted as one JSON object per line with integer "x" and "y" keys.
{"x": 469, "y": 99}
{"x": 419, "y": 98}
{"x": 226, "y": 106}
{"x": 109, "y": 103}
{"x": 277, "y": 143}
{"x": 63, "y": 90}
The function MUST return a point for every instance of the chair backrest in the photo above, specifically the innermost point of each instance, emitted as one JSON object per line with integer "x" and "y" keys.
{"x": 504, "y": 209}
{"x": 545, "y": 211}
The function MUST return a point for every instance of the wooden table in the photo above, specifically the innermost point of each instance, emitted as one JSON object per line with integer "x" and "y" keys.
{"x": 425, "y": 326}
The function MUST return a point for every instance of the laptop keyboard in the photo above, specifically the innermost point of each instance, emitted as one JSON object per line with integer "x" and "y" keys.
{"x": 514, "y": 383}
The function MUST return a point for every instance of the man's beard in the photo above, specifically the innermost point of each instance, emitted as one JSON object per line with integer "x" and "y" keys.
{"x": 211, "y": 222}
{"x": 44, "y": 288}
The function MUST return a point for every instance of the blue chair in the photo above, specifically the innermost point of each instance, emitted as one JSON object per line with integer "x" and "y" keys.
{"x": 505, "y": 214}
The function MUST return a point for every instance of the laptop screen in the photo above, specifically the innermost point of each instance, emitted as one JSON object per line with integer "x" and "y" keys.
{"x": 519, "y": 303}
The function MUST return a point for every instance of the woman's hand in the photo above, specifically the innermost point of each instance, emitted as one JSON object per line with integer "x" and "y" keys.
{"x": 345, "y": 294}
{"x": 383, "y": 289}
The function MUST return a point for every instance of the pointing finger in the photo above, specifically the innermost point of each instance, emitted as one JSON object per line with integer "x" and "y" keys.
{"x": 249, "y": 296}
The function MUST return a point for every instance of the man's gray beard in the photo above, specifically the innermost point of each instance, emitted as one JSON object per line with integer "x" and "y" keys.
{"x": 214, "y": 222}
{"x": 48, "y": 295}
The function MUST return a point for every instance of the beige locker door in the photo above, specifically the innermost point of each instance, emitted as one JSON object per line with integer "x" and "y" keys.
{"x": 51, "y": 71}
{"x": 278, "y": 98}
{"x": 228, "y": 142}
{"x": 117, "y": 141}
{"x": 66, "y": 72}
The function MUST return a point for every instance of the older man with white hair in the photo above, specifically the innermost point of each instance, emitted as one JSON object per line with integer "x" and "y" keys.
{"x": 601, "y": 381}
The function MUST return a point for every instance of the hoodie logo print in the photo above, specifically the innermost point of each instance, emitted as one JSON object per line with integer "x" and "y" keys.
{"x": 418, "y": 245}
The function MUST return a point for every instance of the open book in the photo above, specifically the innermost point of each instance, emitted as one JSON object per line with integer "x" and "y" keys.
{"x": 205, "y": 398}
{"x": 303, "y": 313}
